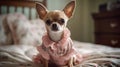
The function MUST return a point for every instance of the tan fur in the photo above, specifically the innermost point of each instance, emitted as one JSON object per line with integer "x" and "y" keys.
{"x": 54, "y": 16}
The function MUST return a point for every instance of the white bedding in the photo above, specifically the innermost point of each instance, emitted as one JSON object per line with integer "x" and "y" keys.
{"x": 29, "y": 34}
{"x": 17, "y": 55}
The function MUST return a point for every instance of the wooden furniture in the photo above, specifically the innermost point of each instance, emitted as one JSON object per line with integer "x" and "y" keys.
{"x": 29, "y": 4}
{"x": 107, "y": 28}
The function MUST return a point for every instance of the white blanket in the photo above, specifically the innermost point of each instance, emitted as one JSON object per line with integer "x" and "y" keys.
{"x": 21, "y": 55}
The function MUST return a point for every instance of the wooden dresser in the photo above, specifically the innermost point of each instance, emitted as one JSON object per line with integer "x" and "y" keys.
{"x": 107, "y": 28}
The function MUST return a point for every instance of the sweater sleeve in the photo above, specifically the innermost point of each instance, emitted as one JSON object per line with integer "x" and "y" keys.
{"x": 43, "y": 52}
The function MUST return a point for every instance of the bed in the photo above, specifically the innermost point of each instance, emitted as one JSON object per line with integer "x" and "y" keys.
{"x": 21, "y": 31}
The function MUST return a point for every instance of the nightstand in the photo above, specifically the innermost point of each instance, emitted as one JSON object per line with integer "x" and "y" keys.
{"x": 107, "y": 28}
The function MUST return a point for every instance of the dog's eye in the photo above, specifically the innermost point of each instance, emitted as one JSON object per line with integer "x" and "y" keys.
{"x": 48, "y": 22}
{"x": 62, "y": 21}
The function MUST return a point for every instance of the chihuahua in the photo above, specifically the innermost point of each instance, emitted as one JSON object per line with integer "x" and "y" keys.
{"x": 57, "y": 46}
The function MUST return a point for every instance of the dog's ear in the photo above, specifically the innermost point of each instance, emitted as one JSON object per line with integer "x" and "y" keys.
{"x": 41, "y": 9}
{"x": 69, "y": 9}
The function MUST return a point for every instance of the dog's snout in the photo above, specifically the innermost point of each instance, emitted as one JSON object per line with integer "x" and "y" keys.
{"x": 54, "y": 27}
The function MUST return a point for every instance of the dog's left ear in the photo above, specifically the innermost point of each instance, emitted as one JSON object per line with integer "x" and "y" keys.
{"x": 69, "y": 9}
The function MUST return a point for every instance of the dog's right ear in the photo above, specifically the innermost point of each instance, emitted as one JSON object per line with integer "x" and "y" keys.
{"x": 41, "y": 10}
{"x": 69, "y": 9}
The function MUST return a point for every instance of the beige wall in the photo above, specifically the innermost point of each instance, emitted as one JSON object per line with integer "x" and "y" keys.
{"x": 82, "y": 24}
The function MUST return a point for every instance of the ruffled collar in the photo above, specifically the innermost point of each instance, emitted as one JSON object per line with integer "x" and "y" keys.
{"x": 47, "y": 42}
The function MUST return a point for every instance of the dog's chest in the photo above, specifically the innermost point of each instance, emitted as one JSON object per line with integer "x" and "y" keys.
{"x": 55, "y": 36}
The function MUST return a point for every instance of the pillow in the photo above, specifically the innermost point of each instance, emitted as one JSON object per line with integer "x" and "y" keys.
{"x": 21, "y": 30}
{"x": 35, "y": 31}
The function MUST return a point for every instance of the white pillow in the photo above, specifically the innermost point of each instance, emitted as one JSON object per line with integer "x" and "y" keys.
{"x": 35, "y": 31}
{"x": 27, "y": 31}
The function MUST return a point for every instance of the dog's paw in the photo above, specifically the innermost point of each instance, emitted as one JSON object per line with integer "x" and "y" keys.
{"x": 71, "y": 62}
{"x": 36, "y": 59}
{"x": 70, "y": 65}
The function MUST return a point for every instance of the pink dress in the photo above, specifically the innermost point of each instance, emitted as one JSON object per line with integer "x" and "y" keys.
{"x": 58, "y": 52}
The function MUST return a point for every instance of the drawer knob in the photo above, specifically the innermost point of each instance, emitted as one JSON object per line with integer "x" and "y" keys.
{"x": 113, "y": 25}
{"x": 114, "y": 42}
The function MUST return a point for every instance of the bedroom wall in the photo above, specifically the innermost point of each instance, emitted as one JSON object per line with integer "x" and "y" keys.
{"x": 82, "y": 24}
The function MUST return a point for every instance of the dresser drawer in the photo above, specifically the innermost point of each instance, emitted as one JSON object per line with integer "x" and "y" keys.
{"x": 110, "y": 40}
{"x": 108, "y": 25}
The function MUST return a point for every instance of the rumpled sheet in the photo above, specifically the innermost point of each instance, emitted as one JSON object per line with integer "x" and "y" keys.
{"x": 95, "y": 55}
{"x": 17, "y": 55}
{"x": 98, "y": 55}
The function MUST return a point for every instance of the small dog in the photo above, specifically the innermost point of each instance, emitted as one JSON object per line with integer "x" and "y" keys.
{"x": 57, "y": 46}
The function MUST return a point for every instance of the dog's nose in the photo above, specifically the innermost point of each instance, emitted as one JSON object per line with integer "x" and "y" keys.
{"x": 54, "y": 27}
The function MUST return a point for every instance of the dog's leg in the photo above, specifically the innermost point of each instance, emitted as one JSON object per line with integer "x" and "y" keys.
{"x": 45, "y": 63}
{"x": 70, "y": 64}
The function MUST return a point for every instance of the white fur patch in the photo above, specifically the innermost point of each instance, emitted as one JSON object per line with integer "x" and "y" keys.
{"x": 55, "y": 36}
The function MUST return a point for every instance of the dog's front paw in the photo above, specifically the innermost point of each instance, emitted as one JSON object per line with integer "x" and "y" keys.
{"x": 36, "y": 59}
{"x": 70, "y": 64}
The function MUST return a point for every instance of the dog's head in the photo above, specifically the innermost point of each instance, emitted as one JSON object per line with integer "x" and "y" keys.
{"x": 55, "y": 20}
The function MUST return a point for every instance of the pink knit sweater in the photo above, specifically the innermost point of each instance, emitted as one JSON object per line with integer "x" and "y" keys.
{"x": 58, "y": 52}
